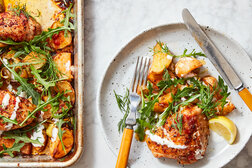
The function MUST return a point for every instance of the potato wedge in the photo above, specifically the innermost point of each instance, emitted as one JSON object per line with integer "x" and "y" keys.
{"x": 3, "y": 45}
{"x": 60, "y": 41}
{"x": 56, "y": 150}
{"x": 210, "y": 80}
{"x": 163, "y": 103}
{"x": 26, "y": 149}
{"x": 186, "y": 65}
{"x": 63, "y": 61}
{"x": 37, "y": 58}
{"x": 160, "y": 61}
{"x": 228, "y": 108}
{"x": 63, "y": 86}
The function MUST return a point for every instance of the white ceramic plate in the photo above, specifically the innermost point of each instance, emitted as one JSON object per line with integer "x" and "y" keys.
{"x": 118, "y": 77}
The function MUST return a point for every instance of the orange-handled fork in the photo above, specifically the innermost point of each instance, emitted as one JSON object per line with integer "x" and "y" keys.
{"x": 139, "y": 79}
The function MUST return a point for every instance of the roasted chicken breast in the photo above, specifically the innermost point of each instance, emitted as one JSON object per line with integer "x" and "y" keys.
{"x": 187, "y": 147}
{"x": 14, "y": 108}
{"x": 18, "y": 26}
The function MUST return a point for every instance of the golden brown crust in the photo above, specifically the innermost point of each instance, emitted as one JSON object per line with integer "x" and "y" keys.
{"x": 25, "y": 106}
{"x": 194, "y": 135}
{"x": 18, "y": 27}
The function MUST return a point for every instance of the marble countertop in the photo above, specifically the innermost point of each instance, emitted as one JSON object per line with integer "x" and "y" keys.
{"x": 110, "y": 24}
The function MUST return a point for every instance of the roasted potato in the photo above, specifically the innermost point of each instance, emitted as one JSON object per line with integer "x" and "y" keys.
{"x": 63, "y": 86}
{"x": 154, "y": 78}
{"x": 186, "y": 65}
{"x": 160, "y": 61}
{"x": 60, "y": 41}
{"x": 8, "y": 143}
{"x": 228, "y": 108}
{"x": 56, "y": 149}
{"x": 63, "y": 61}
{"x": 2, "y": 45}
{"x": 26, "y": 149}
{"x": 163, "y": 103}
{"x": 48, "y": 113}
{"x": 37, "y": 58}
{"x": 210, "y": 81}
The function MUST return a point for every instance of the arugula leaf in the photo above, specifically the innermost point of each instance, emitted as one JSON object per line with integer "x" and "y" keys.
{"x": 20, "y": 137}
{"x": 15, "y": 148}
{"x": 40, "y": 80}
{"x": 24, "y": 85}
{"x": 66, "y": 20}
{"x": 163, "y": 116}
{"x": 5, "y": 119}
{"x": 41, "y": 106}
{"x": 61, "y": 132}
{"x": 148, "y": 108}
{"x": 223, "y": 91}
{"x": 206, "y": 101}
{"x": 168, "y": 81}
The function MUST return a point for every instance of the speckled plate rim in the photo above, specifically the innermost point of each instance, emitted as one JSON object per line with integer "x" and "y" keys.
{"x": 98, "y": 95}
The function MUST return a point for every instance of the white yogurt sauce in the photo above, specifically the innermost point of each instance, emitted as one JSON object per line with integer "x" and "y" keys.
{"x": 40, "y": 119}
{"x": 23, "y": 94}
{"x": 14, "y": 114}
{"x": 198, "y": 154}
{"x": 10, "y": 88}
{"x": 54, "y": 134}
{"x": 68, "y": 66}
{"x": 169, "y": 57}
{"x": 5, "y": 61}
{"x": 164, "y": 141}
{"x": 183, "y": 99}
{"x": 38, "y": 134}
{"x": 5, "y": 101}
{"x": 13, "y": 78}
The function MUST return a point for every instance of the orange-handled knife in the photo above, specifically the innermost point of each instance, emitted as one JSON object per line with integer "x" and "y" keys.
{"x": 216, "y": 57}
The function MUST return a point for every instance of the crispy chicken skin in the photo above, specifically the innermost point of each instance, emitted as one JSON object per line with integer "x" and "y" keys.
{"x": 194, "y": 136}
{"x": 23, "y": 109}
{"x": 18, "y": 27}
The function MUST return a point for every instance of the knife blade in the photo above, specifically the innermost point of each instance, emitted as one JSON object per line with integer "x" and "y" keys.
{"x": 216, "y": 57}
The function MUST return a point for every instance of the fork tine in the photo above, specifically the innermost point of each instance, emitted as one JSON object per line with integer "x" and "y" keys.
{"x": 134, "y": 77}
{"x": 138, "y": 75}
{"x": 142, "y": 72}
{"x": 146, "y": 72}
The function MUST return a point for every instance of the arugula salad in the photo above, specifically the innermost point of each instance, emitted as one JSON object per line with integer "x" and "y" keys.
{"x": 36, "y": 92}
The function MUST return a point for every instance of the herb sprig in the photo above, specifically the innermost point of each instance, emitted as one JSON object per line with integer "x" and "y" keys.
{"x": 123, "y": 103}
{"x": 165, "y": 49}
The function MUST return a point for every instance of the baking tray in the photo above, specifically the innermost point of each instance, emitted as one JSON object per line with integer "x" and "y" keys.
{"x": 47, "y": 161}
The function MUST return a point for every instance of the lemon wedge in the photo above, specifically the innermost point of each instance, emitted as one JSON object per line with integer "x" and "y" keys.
{"x": 224, "y": 127}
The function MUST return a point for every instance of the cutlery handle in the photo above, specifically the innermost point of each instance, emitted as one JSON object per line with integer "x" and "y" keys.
{"x": 124, "y": 151}
{"x": 247, "y": 97}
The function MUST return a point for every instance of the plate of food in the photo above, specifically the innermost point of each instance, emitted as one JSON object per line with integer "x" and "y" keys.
{"x": 40, "y": 96}
{"x": 184, "y": 98}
